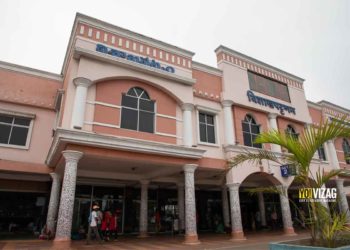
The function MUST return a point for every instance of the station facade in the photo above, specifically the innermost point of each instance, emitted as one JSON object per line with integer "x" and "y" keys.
{"x": 136, "y": 125}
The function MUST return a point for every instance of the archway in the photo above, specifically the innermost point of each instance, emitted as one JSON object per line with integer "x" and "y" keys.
{"x": 257, "y": 206}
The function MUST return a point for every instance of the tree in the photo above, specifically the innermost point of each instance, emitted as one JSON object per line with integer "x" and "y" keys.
{"x": 324, "y": 223}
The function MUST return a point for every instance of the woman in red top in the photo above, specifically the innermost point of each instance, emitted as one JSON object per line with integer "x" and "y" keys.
{"x": 105, "y": 226}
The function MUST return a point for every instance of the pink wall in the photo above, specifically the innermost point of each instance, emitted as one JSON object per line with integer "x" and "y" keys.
{"x": 207, "y": 83}
{"x": 41, "y": 136}
{"x": 111, "y": 91}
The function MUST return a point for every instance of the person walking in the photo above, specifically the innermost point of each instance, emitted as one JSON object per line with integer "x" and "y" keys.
{"x": 93, "y": 219}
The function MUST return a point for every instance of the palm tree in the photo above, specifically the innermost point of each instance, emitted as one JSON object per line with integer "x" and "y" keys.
{"x": 300, "y": 152}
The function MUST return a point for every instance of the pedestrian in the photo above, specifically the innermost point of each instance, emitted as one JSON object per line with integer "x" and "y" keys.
{"x": 93, "y": 218}
{"x": 274, "y": 220}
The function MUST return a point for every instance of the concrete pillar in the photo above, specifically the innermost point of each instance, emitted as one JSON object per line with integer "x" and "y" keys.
{"x": 187, "y": 137}
{"x": 144, "y": 209}
{"x": 285, "y": 208}
{"x": 273, "y": 126}
{"x": 236, "y": 219}
{"x": 53, "y": 204}
{"x": 225, "y": 208}
{"x": 343, "y": 202}
{"x": 228, "y": 122}
{"x": 181, "y": 205}
{"x": 78, "y": 114}
{"x": 191, "y": 236}
{"x": 262, "y": 208}
{"x": 332, "y": 154}
{"x": 65, "y": 212}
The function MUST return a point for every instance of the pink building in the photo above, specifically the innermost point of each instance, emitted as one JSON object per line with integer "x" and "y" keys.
{"x": 136, "y": 125}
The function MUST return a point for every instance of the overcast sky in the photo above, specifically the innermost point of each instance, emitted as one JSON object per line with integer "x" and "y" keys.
{"x": 310, "y": 39}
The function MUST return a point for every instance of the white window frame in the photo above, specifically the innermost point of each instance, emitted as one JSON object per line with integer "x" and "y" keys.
{"x": 214, "y": 113}
{"x": 138, "y": 113}
{"x": 30, "y": 128}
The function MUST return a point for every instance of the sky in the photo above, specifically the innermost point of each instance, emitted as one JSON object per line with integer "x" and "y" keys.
{"x": 308, "y": 38}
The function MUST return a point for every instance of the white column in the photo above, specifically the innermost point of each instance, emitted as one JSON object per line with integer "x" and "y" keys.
{"x": 343, "y": 201}
{"x": 273, "y": 126}
{"x": 332, "y": 153}
{"x": 285, "y": 208}
{"x": 181, "y": 205}
{"x": 191, "y": 236}
{"x": 65, "y": 213}
{"x": 236, "y": 219}
{"x": 225, "y": 208}
{"x": 144, "y": 208}
{"x": 187, "y": 137}
{"x": 262, "y": 208}
{"x": 228, "y": 125}
{"x": 53, "y": 204}
{"x": 78, "y": 114}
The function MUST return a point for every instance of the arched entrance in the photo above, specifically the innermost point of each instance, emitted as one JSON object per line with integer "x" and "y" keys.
{"x": 260, "y": 209}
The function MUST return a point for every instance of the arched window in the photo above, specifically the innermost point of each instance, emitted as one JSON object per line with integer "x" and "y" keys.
{"x": 137, "y": 111}
{"x": 250, "y": 131}
{"x": 291, "y": 132}
{"x": 346, "y": 149}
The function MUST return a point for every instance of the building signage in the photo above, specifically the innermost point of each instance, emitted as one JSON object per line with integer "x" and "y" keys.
{"x": 288, "y": 170}
{"x": 268, "y": 103}
{"x": 130, "y": 57}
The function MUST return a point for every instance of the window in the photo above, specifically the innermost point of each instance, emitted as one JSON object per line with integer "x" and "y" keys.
{"x": 268, "y": 86}
{"x": 290, "y": 131}
{"x": 137, "y": 111}
{"x": 14, "y": 130}
{"x": 321, "y": 153}
{"x": 206, "y": 128}
{"x": 346, "y": 149}
{"x": 250, "y": 131}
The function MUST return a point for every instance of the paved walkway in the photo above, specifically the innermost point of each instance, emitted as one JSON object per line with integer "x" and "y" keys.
{"x": 256, "y": 241}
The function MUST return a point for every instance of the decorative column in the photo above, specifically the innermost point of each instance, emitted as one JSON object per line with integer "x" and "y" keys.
{"x": 181, "y": 205}
{"x": 225, "y": 209}
{"x": 187, "y": 136}
{"x": 285, "y": 208}
{"x": 144, "y": 209}
{"x": 82, "y": 84}
{"x": 229, "y": 125}
{"x": 191, "y": 236}
{"x": 236, "y": 219}
{"x": 332, "y": 153}
{"x": 273, "y": 126}
{"x": 65, "y": 213}
{"x": 262, "y": 208}
{"x": 343, "y": 202}
{"x": 53, "y": 204}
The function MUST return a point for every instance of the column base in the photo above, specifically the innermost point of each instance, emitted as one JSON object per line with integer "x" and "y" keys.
{"x": 289, "y": 231}
{"x": 143, "y": 235}
{"x": 62, "y": 243}
{"x": 237, "y": 235}
{"x": 191, "y": 239}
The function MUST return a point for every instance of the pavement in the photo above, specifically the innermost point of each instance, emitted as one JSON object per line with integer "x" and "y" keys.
{"x": 254, "y": 241}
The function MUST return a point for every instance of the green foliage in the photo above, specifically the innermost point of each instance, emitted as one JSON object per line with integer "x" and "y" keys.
{"x": 325, "y": 224}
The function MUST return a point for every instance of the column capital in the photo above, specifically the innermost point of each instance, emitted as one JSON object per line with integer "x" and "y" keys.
{"x": 144, "y": 182}
{"x": 71, "y": 155}
{"x": 272, "y": 115}
{"x": 55, "y": 176}
{"x": 226, "y": 103}
{"x": 233, "y": 186}
{"x": 82, "y": 81}
{"x": 187, "y": 106}
{"x": 190, "y": 168}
